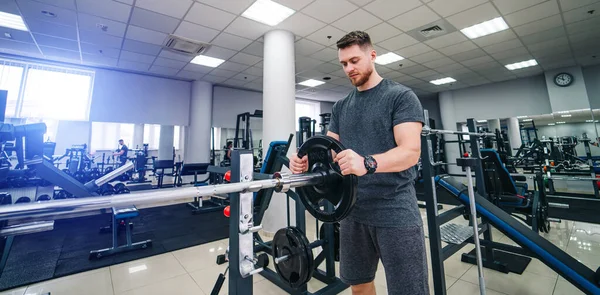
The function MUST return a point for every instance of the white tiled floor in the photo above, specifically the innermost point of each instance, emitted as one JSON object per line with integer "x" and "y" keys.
{"x": 193, "y": 271}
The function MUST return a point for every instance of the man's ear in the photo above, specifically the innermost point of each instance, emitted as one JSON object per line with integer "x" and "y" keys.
{"x": 373, "y": 55}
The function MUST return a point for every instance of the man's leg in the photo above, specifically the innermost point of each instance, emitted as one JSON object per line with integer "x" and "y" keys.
{"x": 404, "y": 259}
{"x": 358, "y": 257}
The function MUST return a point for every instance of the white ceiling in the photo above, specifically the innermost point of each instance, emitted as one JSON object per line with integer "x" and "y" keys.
{"x": 557, "y": 33}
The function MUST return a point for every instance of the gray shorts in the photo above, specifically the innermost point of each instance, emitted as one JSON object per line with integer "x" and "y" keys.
{"x": 402, "y": 252}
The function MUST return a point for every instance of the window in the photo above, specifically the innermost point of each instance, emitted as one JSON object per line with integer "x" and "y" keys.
{"x": 105, "y": 136}
{"x": 10, "y": 80}
{"x": 176, "y": 137}
{"x": 307, "y": 109}
{"x": 54, "y": 93}
{"x": 152, "y": 136}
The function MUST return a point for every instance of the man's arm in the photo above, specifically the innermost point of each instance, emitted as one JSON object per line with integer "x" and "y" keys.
{"x": 407, "y": 152}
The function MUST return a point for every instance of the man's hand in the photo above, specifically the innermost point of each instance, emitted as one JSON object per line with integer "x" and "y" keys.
{"x": 351, "y": 163}
{"x": 298, "y": 165}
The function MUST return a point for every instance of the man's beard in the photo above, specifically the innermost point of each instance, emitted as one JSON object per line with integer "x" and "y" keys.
{"x": 363, "y": 79}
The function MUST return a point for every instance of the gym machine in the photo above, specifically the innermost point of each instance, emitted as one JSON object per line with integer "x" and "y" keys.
{"x": 325, "y": 121}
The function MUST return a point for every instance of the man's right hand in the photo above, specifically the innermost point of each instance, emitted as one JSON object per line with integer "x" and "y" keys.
{"x": 298, "y": 165}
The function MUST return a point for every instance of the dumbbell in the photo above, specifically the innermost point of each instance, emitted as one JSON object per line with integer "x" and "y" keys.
{"x": 43, "y": 197}
{"x": 23, "y": 200}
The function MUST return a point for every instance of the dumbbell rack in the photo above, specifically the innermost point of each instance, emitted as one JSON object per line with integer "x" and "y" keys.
{"x": 244, "y": 240}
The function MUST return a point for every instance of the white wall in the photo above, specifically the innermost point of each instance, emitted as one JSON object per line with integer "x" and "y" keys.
{"x": 132, "y": 98}
{"x": 230, "y": 102}
{"x": 591, "y": 75}
{"x": 431, "y": 103}
{"x": 326, "y": 107}
{"x": 569, "y": 98}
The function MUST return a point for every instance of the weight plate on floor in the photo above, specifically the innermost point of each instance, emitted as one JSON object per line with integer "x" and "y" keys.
{"x": 337, "y": 189}
{"x": 297, "y": 270}
{"x": 336, "y": 238}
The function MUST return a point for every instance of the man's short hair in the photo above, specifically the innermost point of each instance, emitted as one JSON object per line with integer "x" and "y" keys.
{"x": 359, "y": 38}
{"x": 121, "y": 140}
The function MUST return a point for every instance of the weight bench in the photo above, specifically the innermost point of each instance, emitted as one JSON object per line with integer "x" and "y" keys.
{"x": 159, "y": 167}
{"x": 215, "y": 203}
{"x": 125, "y": 214}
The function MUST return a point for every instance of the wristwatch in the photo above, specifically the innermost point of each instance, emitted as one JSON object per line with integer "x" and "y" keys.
{"x": 370, "y": 164}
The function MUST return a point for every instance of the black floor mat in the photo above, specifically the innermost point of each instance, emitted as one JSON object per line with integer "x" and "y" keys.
{"x": 65, "y": 250}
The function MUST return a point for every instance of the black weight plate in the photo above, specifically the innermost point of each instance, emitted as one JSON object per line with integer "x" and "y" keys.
{"x": 337, "y": 189}
{"x": 336, "y": 238}
{"x": 298, "y": 269}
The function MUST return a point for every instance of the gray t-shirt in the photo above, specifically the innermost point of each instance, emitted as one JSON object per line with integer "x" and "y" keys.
{"x": 364, "y": 120}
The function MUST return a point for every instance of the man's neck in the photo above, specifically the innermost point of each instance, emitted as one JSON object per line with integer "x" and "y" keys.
{"x": 373, "y": 81}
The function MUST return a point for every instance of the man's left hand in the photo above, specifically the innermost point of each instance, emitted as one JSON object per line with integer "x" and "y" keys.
{"x": 351, "y": 163}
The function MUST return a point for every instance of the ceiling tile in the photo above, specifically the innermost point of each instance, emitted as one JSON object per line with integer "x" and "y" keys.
{"x": 473, "y": 16}
{"x": 477, "y": 61}
{"x": 197, "y": 68}
{"x": 450, "y": 67}
{"x": 256, "y": 48}
{"x": 329, "y": 10}
{"x": 100, "y": 38}
{"x": 130, "y": 2}
{"x": 510, "y": 6}
{"x": 398, "y": 42}
{"x": 169, "y": 63}
{"x": 136, "y": 66}
{"x": 544, "y": 36}
{"x": 382, "y": 32}
{"x": 259, "y": 65}
{"x": 357, "y": 20}
{"x": 533, "y": 13}
{"x": 107, "y": 9}
{"x": 98, "y": 60}
{"x": 233, "y": 66}
{"x": 196, "y": 32}
{"x": 414, "y": 50}
{"x": 583, "y": 26}
{"x": 539, "y": 25}
{"x": 427, "y": 57}
{"x": 189, "y": 75}
{"x": 213, "y": 79}
{"x": 306, "y": 63}
{"x": 175, "y": 55}
{"x": 446, "y": 40}
{"x": 515, "y": 43}
{"x": 17, "y": 35}
{"x": 145, "y": 35}
{"x": 14, "y": 47}
{"x": 234, "y": 82}
{"x": 68, "y": 4}
{"x": 174, "y": 8}
{"x": 321, "y": 35}
{"x": 153, "y": 21}
{"x": 91, "y": 22}
{"x": 294, "y": 4}
{"x": 254, "y": 71}
{"x": 301, "y": 24}
{"x": 220, "y": 52}
{"x": 413, "y": 69}
{"x": 231, "y": 41}
{"x": 100, "y": 50}
{"x": 141, "y": 47}
{"x": 434, "y": 64}
{"x": 387, "y": 9}
{"x": 244, "y": 27}
{"x": 9, "y": 7}
{"x": 509, "y": 54}
{"x": 245, "y": 77}
{"x": 245, "y": 59}
{"x": 585, "y": 38}
{"x": 233, "y": 6}
{"x": 30, "y": 9}
{"x": 49, "y": 41}
{"x": 52, "y": 29}
{"x": 449, "y": 7}
{"x": 495, "y": 38}
{"x": 307, "y": 47}
{"x": 475, "y": 53}
{"x": 326, "y": 54}
{"x": 458, "y": 48}
{"x": 137, "y": 57}
{"x": 581, "y": 13}
{"x": 65, "y": 54}
{"x": 328, "y": 67}
{"x": 567, "y": 5}
{"x": 223, "y": 73}
{"x": 163, "y": 70}
{"x": 414, "y": 19}
{"x": 208, "y": 16}
{"x": 549, "y": 44}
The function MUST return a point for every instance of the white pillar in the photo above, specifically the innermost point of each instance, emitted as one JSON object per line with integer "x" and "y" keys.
{"x": 493, "y": 124}
{"x": 448, "y": 115}
{"x": 279, "y": 111}
{"x": 514, "y": 133}
{"x": 138, "y": 136}
{"x": 165, "y": 143}
{"x": 197, "y": 142}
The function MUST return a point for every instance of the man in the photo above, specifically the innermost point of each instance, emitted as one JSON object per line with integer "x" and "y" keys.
{"x": 380, "y": 124}
{"x": 122, "y": 152}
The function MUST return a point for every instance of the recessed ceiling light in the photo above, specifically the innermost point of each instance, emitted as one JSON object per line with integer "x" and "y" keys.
{"x": 521, "y": 117}
{"x": 565, "y": 116}
{"x": 527, "y": 120}
{"x": 522, "y": 64}
{"x": 48, "y": 13}
{"x": 311, "y": 83}
{"x": 560, "y": 122}
{"x": 481, "y": 121}
{"x": 268, "y": 12}
{"x": 208, "y": 61}
{"x": 442, "y": 81}
{"x": 7, "y": 35}
{"x": 485, "y": 28}
{"x": 12, "y": 21}
{"x": 589, "y": 121}
{"x": 388, "y": 58}
{"x": 551, "y": 124}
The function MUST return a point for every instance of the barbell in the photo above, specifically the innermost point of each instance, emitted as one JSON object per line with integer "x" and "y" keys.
{"x": 322, "y": 183}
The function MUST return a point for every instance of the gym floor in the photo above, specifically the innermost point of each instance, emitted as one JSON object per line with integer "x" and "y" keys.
{"x": 193, "y": 270}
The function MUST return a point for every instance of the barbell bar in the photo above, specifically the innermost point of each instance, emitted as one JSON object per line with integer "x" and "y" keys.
{"x": 429, "y": 131}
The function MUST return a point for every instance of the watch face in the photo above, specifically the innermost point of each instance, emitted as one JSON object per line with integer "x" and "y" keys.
{"x": 563, "y": 79}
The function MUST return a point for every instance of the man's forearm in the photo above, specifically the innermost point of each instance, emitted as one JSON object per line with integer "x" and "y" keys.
{"x": 397, "y": 159}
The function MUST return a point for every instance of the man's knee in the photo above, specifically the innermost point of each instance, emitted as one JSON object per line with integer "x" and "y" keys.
{"x": 364, "y": 289}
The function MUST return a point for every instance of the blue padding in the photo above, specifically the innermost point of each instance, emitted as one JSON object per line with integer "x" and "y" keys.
{"x": 514, "y": 234}
{"x": 272, "y": 146}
